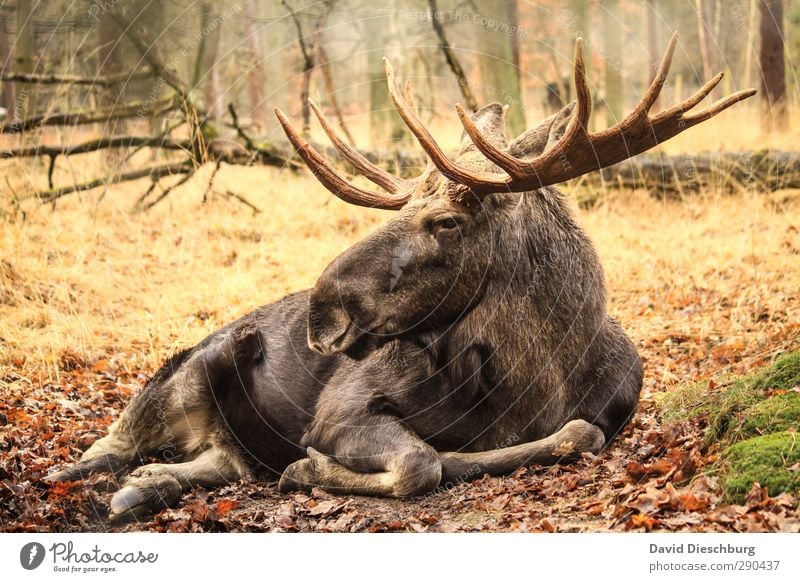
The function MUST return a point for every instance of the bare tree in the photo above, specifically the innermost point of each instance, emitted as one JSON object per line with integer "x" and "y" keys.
{"x": 207, "y": 73}
{"x": 750, "y": 43}
{"x": 255, "y": 75}
{"x": 773, "y": 66}
{"x": 23, "y": 56}
{"x": 651, "y": 14}
{"x": 110, "y": 64}
{"x": 612, "y": 40}
{"x": 705, "y": 20}
{"x": 308, "y": 43}
{"x": 6, "y": 58}
{"x": 451, "y": 58}
{"x": 384, "y": 122}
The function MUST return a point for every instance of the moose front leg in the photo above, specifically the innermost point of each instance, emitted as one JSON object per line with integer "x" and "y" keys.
{"x": 385, "y": 459}
{"x": 574, "y": 438}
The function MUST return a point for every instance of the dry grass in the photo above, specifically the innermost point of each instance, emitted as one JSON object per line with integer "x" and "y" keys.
{"x": 105, "y": 283}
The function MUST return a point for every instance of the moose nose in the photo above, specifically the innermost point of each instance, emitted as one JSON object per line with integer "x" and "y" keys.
{"x": 328, "y": 343}
{"x": 335, "y": 321}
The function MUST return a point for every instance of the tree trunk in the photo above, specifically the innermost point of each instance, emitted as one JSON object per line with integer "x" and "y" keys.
{"x": 653, "y": 46}
{"x": 752, "y": 19}
{"x": 23, "y": 52}
{"x": 9, "y": 88}
{"x": 205, "y": 78}
{"x": 385, "y": 124}
{"x": 255, "y": 76}
{"x": 705, "y": 19}
{"x": 773, "y": 67}
{"x": 612, "y": 39}
{"x": 499, "y": 75}
{"x": 111, "y": 62}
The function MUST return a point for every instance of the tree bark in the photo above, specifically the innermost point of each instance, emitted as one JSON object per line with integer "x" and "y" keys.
{"x": 23, "y": 53}
{"x": 773, "y": 66}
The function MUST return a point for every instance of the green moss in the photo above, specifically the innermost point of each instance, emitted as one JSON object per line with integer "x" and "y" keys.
{"x": 755, "y": 431}
{"x": 730, "y": 409}
{"x": 783, "y": 374}
{"x": 723, "y": 419}
{"x": 768, "y": 460}
{"x": 772, "y": 415}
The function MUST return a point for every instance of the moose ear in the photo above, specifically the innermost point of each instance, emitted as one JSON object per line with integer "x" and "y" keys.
{"x": 534, "y": 141}
{"x": 491, "y": 122}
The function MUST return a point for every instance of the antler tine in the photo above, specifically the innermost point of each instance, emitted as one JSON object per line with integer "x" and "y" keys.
{"x": 331, "y": 179}
{"x": 408, "y": 92}
{"x": 696, "y": 98}
{"x": 654, "y": 90}
{"x": 518, "y": 169}
{"x": 580, "y": 120}
{"x": 476, "y": 182}
{"x": 718, "y": 106}
{"x": 578, "y": 125}
{"x": 369, "y": 170}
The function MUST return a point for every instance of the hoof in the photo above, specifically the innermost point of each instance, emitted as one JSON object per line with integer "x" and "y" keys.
{"x": 82, "y": 469}
{"x": 143, "y": 496}
{"x": 299, "y": 476}
{"x": 577, "y": 437}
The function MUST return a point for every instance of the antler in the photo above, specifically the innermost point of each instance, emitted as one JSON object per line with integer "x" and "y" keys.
{"x": 338, "y": 184}
{"x": 577, "y": 152}
{"x": 400, "y": 189}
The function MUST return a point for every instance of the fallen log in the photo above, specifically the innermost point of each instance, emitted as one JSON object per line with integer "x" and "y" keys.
{"x": 55, "y": 79}
{"x": 668, "y": 176}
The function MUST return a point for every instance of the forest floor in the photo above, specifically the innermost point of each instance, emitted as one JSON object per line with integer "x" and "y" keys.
{"x": 94, "y": 298}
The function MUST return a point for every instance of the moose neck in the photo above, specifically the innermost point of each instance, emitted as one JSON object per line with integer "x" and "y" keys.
{"x": 544, "y": 301}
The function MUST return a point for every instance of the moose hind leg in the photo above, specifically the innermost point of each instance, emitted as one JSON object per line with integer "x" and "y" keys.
{"x": 156, "y": 486}
{"x": 568, "y": 443}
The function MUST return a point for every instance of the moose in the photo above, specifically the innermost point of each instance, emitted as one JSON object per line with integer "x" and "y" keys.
{"x": 468, "y": 335}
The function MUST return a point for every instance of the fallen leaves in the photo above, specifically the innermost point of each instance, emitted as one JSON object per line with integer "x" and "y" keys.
{"x": 652, "y": 478}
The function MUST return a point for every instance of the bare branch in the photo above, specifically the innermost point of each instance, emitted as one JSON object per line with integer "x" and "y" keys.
{"x": 153, "y": 172}
{"x": 97, "y": 145}
{"x": 450, "y": 57}
{"x": 106, "y": 81}
{"x": 142, "y": 108}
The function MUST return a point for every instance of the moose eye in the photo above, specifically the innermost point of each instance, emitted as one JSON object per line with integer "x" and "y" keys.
{"x": 445, "y": 225}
